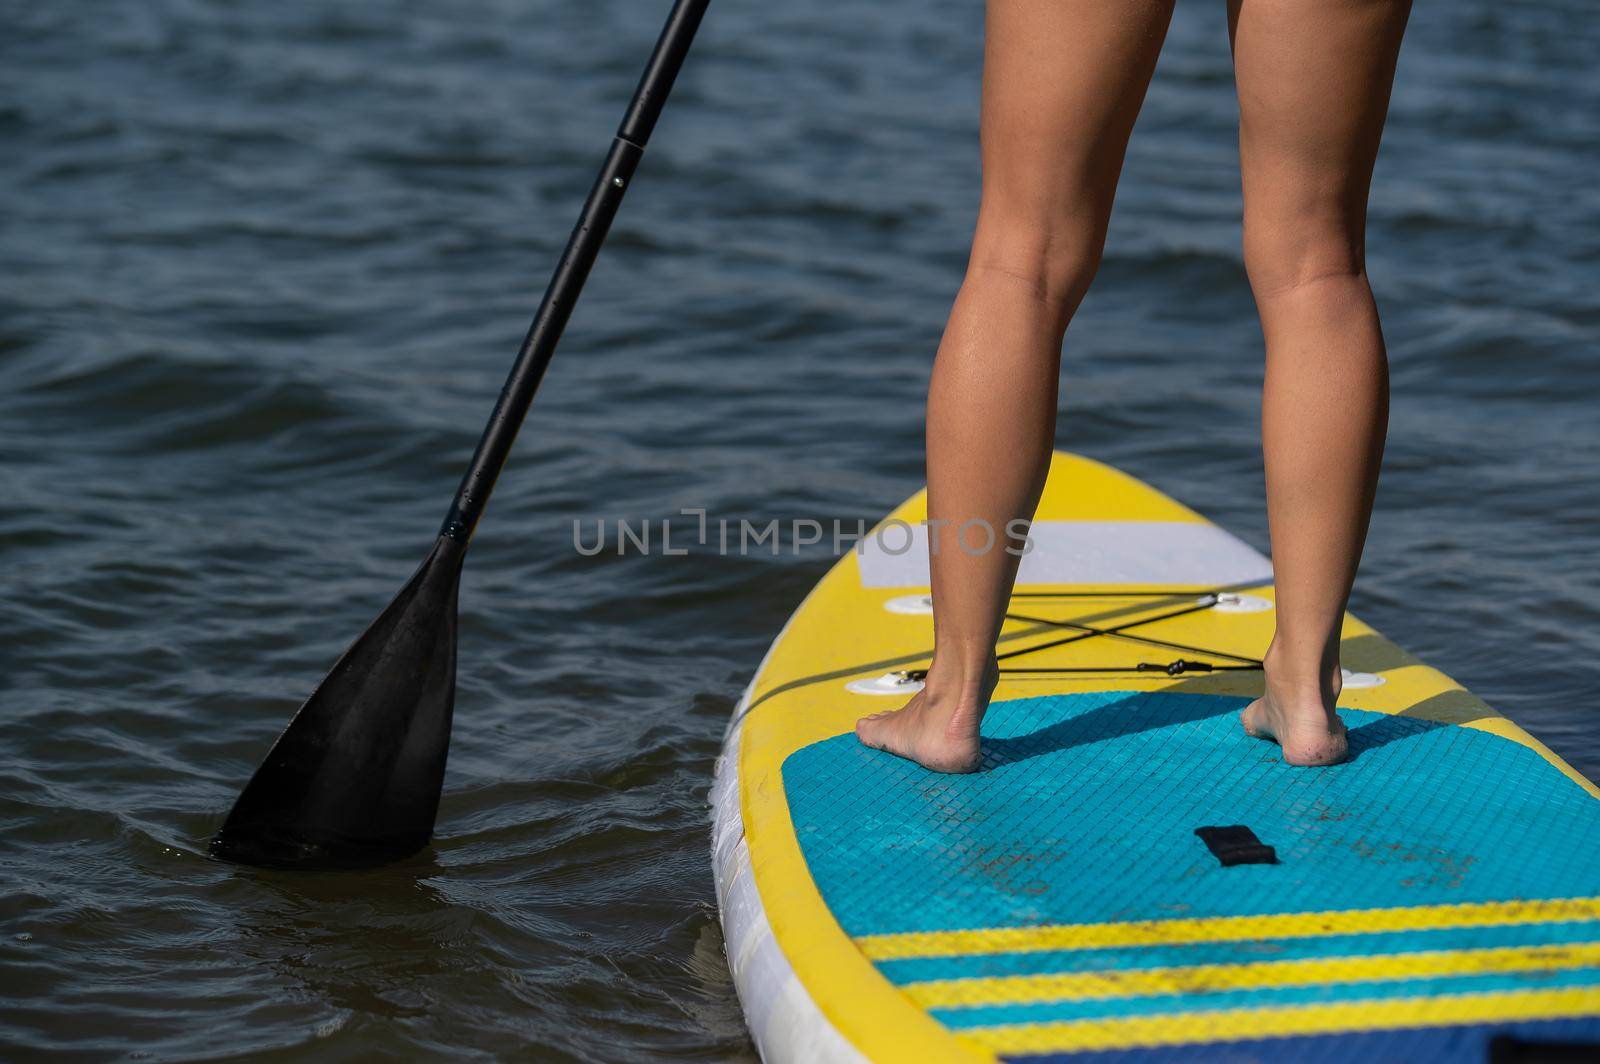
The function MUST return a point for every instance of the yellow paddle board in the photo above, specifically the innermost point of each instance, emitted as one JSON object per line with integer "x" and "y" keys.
{"x": 1129, "y": 876}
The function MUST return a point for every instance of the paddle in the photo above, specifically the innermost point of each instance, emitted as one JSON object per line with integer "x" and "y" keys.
{"x": 354, "y": 779}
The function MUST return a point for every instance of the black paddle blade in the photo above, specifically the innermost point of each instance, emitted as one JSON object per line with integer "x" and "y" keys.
{"x": 354, "y": 779}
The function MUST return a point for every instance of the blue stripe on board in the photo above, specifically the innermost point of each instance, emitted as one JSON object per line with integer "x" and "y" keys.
{"x": 1043, "y": 962}
{"x": 1546, "y": 1042}
{"x": 1267, "y": 997}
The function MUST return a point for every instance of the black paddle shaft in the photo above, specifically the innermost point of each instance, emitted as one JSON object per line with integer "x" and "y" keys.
{"x": 573, "y": 269}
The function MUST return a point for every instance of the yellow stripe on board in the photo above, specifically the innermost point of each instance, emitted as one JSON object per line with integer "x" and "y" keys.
{"x": 1235, "y": 1024}
{"x": 911, "y": 944}
{"x": 1209, "y": 978}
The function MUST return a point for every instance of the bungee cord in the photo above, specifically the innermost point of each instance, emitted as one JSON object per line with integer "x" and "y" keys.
{"x": 1082, "y": 632}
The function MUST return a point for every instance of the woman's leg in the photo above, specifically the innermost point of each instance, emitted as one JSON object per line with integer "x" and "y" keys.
{"x": 1313, "y": 79}
{"x": 1062, "y": 83}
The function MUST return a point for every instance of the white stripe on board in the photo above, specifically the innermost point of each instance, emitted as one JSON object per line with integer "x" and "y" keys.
{"x": 1086, "y": 552}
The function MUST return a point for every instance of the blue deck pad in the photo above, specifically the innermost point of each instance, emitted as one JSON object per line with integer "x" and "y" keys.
{"x": 1420, "y": 1045}
{"x": 1085, "y": 814}
{"x": 1086, "y": 809}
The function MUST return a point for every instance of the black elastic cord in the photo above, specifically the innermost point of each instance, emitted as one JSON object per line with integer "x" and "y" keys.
{"x": 1196, "y": 608}
{"x": 1146, "y": 640}
{"x": 1171, "y": 668}
{"x": 1172, "y": 593}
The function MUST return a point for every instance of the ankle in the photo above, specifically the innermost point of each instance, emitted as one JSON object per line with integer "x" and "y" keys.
{"x": 966, "y": 681}
{"x": 1302, "y": 677}
{"x": 960, "y": 693}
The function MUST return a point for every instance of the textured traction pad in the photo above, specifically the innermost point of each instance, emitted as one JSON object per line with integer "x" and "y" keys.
{"x": 1475, "y": 864}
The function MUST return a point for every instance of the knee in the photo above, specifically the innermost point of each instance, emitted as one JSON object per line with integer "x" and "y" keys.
{"x": 1286, "y": 252}
{"x": 1053, "y": 259}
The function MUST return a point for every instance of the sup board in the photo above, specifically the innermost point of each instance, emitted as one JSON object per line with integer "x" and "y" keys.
{"x": 1129, "y": 876}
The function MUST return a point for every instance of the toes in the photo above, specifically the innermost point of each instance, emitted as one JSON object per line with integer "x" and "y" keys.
{"x": 880, "y": 733}
{"x": 1250, "y": 720}
{"x": 870, "y": 730}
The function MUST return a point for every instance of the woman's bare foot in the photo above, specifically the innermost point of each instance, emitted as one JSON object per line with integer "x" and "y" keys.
{"x": 1300, "y": 720}
{"x": 938, "y": 728}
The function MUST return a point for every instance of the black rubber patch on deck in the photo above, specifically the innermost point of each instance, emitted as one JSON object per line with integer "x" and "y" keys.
{"x": 1235, "y": 845}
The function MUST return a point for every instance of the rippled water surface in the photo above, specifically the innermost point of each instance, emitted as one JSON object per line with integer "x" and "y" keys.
{"x": 262, "y": 267}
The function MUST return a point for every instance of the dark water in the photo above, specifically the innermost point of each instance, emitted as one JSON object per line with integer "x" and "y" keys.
{"x": 262, "y": 267}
